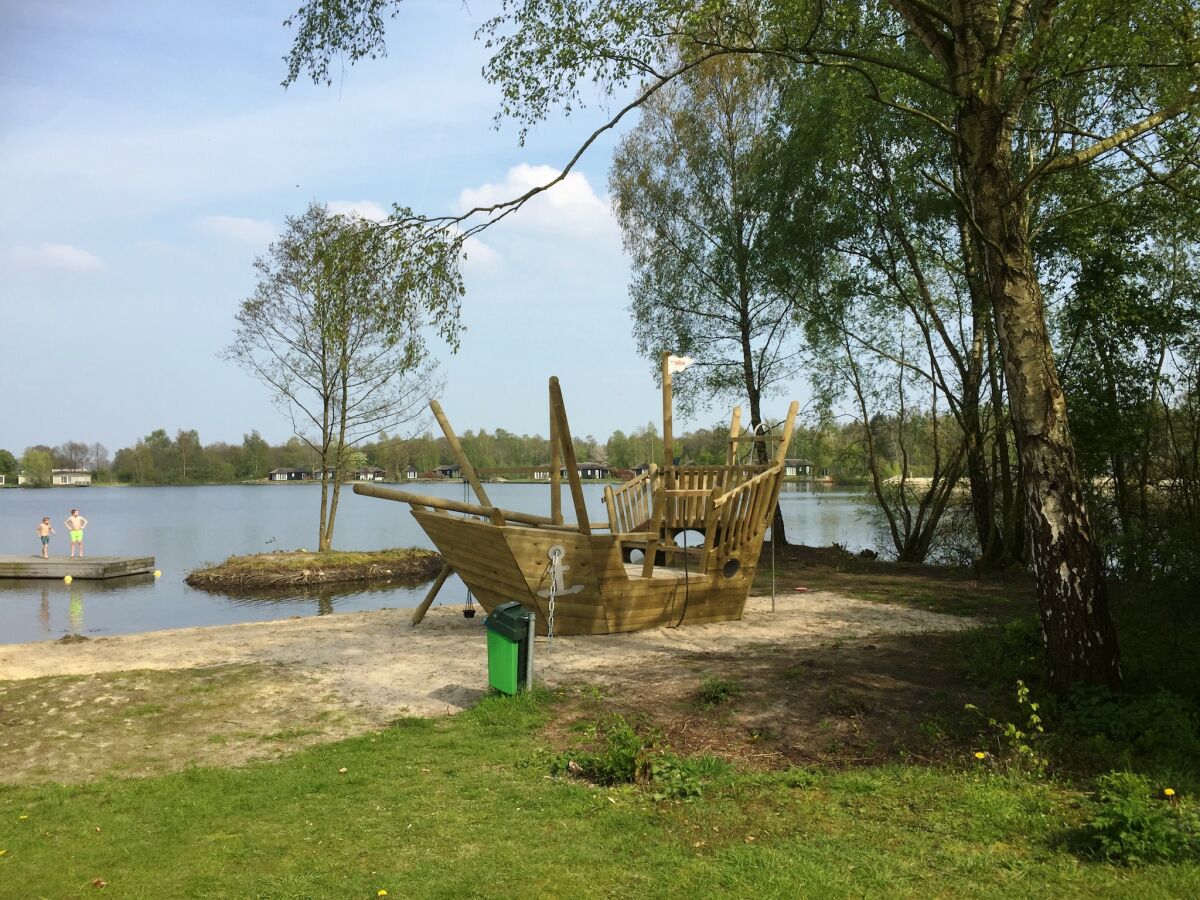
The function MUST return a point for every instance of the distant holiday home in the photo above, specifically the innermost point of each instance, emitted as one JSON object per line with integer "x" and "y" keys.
{"x": 59, "y": 478}
{"x": 411, "y": 473}
{"x": 70, "y": 477}
{"x": 368, "y": 473}
{"x": 586, "y": 470}
{"x": 797, "y": 468}
{"x": 449, "y": 471}
{"x": 289, "y": 475}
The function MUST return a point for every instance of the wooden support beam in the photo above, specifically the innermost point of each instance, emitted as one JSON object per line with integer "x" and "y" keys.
{"x": 419, "y": 612}
{"x": 467, "y": 469}
{"x": 559, "y": 410}
{"x": 610, "y": 504}
{"x": 657, "y": 513}
{"x": 735, "y": 428}
{"x": 668, "y": 437}
{"x": 788, "y": 427}
{"x": 494, "y": 514}
{"x": 555, "y": 467}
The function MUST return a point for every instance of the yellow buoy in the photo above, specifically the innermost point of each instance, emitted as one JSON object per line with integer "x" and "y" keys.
{"x": 68, "y": 579}
{"x": 158, "y": 573}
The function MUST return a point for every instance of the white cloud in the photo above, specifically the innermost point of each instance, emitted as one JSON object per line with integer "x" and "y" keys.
{"x": 362, "y": 209}
{"x": 47, "y": 255}
{"x": 570, "y": 207}
{"x": 257, "y": 232}
{"x": 477, "y": 253}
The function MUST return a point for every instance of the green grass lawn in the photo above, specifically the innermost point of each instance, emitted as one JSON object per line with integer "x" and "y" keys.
{"x": 467, "y": 806}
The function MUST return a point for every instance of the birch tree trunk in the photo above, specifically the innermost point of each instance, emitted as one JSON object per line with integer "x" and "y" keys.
{"x": 1077, "y": 628}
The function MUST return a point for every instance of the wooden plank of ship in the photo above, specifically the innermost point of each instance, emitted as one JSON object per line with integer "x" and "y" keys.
{"x": 79, "y": 567}
{"x": 586, "y": 578}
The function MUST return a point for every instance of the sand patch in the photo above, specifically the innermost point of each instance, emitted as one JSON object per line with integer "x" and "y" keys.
{"x": 322, "y": 678}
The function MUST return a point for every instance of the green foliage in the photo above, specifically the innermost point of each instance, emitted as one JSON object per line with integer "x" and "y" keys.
{"x": 1160, "y": 730}
{"x": 1019, "y": 745}
{"x": 625, "y": 755}
{"x": 36, "y": 464}
{"x": 691, "y": 185}
{"x": 337, "y": 330}
{"x": 715, "y": 690}
{"x": 8, "y": 463}
{"x": 1134, "y": 823}
{"x": 622, "y": 757}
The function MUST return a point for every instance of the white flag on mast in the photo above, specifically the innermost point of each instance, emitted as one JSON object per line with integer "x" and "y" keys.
{"x": 676, "y": 364}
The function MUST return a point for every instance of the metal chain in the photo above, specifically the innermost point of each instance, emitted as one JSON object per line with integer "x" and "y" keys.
{"x": 556, "y": 555}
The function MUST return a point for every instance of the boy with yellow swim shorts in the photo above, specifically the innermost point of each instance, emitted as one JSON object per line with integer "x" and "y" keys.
{"x": 75, "y": 524}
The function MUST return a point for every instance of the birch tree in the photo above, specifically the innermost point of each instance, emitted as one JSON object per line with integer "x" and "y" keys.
{"x": 337, "y": 330}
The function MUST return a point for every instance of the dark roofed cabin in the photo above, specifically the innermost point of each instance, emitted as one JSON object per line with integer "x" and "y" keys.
{"x": 289, "y": 475}
{"x": 797, "y": 468}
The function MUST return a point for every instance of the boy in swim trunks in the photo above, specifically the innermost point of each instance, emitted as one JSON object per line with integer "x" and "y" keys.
{"x": 75, "y": 524}
{"x": 44, "y": 530}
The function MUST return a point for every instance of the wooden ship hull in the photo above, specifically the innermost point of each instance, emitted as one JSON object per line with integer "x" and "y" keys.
{"x": 623, "y": 574}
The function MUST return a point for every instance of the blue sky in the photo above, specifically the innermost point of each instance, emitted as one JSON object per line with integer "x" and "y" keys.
{"x": 148, "y": 153}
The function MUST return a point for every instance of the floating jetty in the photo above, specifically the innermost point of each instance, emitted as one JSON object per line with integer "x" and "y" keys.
{"x": 625, "y": 573}
{"x": 79, "y": 567}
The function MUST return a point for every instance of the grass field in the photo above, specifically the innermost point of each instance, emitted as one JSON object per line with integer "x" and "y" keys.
{"x": 853, "y": 769}
{"x": 467, "y": 806}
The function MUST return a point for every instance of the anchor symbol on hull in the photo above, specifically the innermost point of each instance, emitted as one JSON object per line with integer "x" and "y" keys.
{"x": 557, "y": 583}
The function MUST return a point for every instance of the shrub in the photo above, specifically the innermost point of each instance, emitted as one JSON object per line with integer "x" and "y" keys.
{"x": 1162, "y": 726}
{"x": 1134, "y": 823}
{"x": 714, "y": 691}
{"x": 1019, "y": 744}
{"x": 624, "y": 756}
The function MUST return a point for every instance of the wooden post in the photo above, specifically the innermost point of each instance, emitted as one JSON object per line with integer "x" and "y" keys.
{"x": 788, "y": 427}
{"x": 419, "y": 612}
{"x": 735, "y": 428}
{"x": 568, "y": 451}
{"x": 656, "y": 524}
{"x": 610, "y": 504}
{"x": 668, "y": 437}
{"x": 467, "y": 469}
{"x": 780, "y": 455}
{"x": 555, "y": 465}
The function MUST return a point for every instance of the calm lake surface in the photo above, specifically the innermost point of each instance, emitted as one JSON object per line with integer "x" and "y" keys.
{"x": 184, "y": 528}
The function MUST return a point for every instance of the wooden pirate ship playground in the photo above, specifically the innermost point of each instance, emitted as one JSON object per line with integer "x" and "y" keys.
{"x": 625, "y": 573}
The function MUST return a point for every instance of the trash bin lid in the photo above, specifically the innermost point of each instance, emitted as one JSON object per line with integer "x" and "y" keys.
{"x": 510, "y": 620}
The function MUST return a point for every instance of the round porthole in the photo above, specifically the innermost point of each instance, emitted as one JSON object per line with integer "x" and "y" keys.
{"x": 731, "y": 568}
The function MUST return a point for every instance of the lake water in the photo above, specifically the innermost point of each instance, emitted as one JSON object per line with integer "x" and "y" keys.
{"x": 184, "y": 528}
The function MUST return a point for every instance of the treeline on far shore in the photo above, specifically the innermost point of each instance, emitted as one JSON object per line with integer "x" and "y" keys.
{"x": 829, "y": 451}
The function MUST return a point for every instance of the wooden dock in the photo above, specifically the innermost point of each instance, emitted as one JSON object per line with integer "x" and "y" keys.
{"x": 79, "y": 567}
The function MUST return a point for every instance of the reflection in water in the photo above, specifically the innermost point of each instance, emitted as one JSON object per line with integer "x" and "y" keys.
{"x": 327, "y": 596}
{"x": 44, "y": 612}
{"x": 75, "y": 610}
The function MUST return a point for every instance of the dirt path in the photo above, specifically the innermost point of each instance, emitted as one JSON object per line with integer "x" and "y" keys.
{"x": 265, "y": 688}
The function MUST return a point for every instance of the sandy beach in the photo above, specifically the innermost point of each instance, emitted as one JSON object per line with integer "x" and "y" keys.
{"x": 384, "y": 668}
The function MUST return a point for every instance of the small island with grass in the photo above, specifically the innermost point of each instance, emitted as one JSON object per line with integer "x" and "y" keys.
{"x": 285, "y": 568}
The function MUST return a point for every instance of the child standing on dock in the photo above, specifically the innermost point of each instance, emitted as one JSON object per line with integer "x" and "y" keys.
{"x": 75, "y": 524}
{"x": 44, "y": 530}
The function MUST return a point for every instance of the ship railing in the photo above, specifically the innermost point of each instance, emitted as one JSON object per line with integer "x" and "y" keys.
{"x": 630, "y": 505}
{"x": 738, "y": 518}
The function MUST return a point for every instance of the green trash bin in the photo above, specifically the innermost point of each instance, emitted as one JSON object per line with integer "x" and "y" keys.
{"x": 508, "y": 646}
